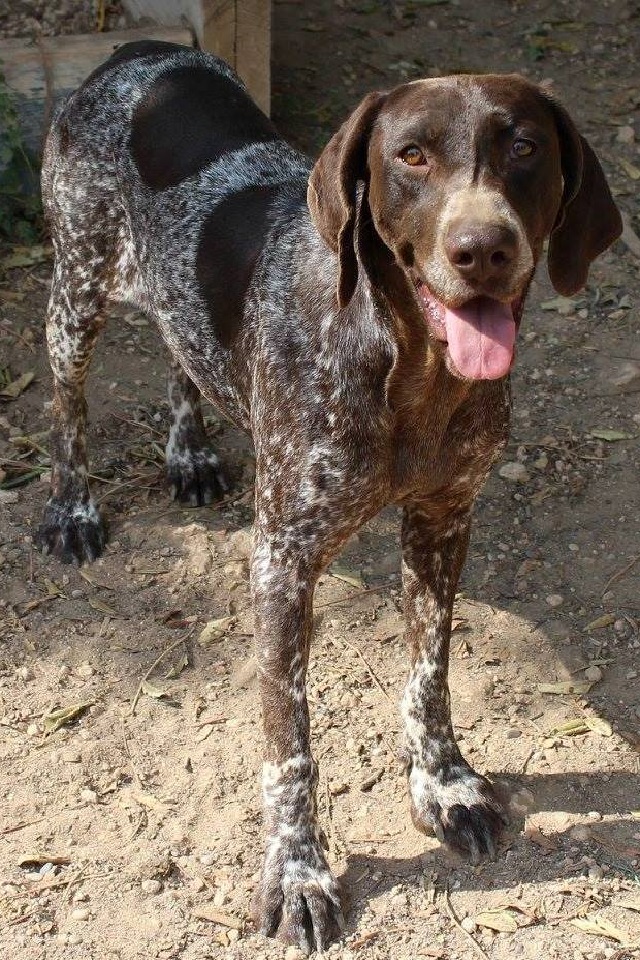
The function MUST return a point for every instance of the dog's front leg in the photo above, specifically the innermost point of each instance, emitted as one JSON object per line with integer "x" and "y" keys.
{"x": 298, "y": 898}
{"x": 447, "y": 796}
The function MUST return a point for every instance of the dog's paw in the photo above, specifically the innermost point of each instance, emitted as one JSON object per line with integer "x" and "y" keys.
{"x": 298, "y": 901}
{"x": 196, "y": 478}
{"x": 460, "y": 807}
{"x": 72, "y": 532}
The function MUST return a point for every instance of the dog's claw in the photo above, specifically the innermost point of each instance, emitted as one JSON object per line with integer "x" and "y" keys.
{"x": 196, "y": 479}
{"x": 73, "y": 533}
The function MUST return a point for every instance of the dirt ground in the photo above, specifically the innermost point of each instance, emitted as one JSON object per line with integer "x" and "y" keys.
{"x": 134, "y": 830}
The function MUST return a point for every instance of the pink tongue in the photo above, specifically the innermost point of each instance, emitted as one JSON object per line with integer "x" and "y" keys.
{"x": 481, "y": 336}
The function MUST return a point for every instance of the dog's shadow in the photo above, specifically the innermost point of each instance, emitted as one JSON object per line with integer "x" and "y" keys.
{"x": 607, "y": 834}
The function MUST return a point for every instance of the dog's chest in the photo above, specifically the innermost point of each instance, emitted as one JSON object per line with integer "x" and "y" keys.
{"x": 451, "y": 450}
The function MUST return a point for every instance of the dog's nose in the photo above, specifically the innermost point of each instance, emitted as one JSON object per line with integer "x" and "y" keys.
{"x": 481, "y": 251}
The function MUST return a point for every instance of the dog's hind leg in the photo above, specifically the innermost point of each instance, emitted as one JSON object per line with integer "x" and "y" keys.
{"x": 72, "y": 528}
{"x": 193, "y": 469}
{"x": 81, "y": 204}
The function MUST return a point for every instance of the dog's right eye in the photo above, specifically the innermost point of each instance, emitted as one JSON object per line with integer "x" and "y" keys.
{"x": 412, "y": 156}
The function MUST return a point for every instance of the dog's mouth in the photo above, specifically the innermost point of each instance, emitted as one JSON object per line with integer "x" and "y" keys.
{"x": 480, "y": 334}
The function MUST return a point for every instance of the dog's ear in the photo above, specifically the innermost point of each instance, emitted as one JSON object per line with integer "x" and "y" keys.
{"x": 331, "y": 194}
{"x": 588, "y": 220}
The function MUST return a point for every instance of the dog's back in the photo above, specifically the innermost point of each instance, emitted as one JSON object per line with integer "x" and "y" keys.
{"x": 168, "y": 178}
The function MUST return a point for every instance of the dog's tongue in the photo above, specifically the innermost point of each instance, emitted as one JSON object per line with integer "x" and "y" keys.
{"x": 481, "y": 337}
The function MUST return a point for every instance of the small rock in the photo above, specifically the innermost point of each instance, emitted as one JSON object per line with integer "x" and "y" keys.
{"x": 594, "y": 815}
{"x": 336, "y": 787}
{"x": 593, "y": 674}
{"x": 81, "y": 896}
{"x": 207, "y": 859}
{"x": 80, "y": 913}
{"x": 468, "y": 924}
{"x": 25, "y": 674}
{"x": 522, "y": 802}
{"x": 625, "y": 134}
{"x": 626, "y": 373}
{"x": 514, "y": 471}
{"x": 9, "y": 496}
{"x": 71, "y": 756}
{"x": 581, "y": 832}
{"x": 294, "y": 953}
{"x": 555, "y": 600}
{"x": 152, "y": 887}
{"x": 596, "y": 872}
{"x": 89, "y": 796}
{"x": 513, "y": 733}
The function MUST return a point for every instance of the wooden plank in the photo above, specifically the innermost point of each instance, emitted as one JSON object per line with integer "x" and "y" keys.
{"x": 253, "y": 49}
{"x": 40, "y": 75}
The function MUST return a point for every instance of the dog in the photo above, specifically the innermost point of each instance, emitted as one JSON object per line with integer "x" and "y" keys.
{"x": 359, "y": 318}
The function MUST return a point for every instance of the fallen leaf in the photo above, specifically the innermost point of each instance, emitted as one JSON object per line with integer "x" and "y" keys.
{"x": 151, "y": 690}
{"x": 103, "y": 607}
{"x": 16, "y": 387}
{"x": 598, "y": 725}
{"x": 178, "y": 667}
{"x": 611, "y": 436}
{"x": 572, "y": 728}
{"x": 499, "y": 919}
{"x": 149, "y": 801}
{"x": 629, "y": 168}
{"x": 565, "y": 686}
{"x": 352, "y": 577}
{"x": 564, "y": 305}
{"x": 217, "y": 916}
{"x": 604, "y": 621}
{"x": 215, "y": 630}
{"x": 65, "y": 715}
{"x": 598, "y": 927}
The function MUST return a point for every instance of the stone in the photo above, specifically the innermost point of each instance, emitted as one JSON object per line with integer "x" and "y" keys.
{"x": 515, "y": 472}
{"x": 593, "y": 674}
{"x": 555, "y": 600}
{"x": 152, "y": 887}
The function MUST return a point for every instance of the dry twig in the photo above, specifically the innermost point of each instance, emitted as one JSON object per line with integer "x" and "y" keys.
{"x": 472, "y": 940}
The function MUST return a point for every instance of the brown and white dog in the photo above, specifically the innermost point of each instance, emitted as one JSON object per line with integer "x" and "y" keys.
{"x": 359, "y": 319}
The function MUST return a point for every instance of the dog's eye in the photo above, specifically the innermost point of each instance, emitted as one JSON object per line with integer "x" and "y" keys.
{"x": 522, "y": 148}
{"x": 413, "y": 156}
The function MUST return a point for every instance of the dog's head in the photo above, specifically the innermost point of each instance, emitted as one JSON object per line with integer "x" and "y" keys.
{"x": 463, "y": 180}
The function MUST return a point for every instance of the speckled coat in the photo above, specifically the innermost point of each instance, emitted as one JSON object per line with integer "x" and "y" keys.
{"x": 317, "y": 325}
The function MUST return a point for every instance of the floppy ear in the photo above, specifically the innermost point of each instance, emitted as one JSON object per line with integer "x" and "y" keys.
{"x": 588, "y": 220}
{"x": 331, "y": 194}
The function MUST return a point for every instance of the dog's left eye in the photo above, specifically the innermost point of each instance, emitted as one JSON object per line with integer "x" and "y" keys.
{"x": 412, "y": 156}
{"x": 522, "y": 148}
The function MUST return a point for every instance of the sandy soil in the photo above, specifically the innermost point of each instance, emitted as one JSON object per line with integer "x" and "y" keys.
{"x": 136, "y": 833}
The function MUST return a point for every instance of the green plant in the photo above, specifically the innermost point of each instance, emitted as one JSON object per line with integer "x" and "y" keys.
{"x": 20, "y": 206}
